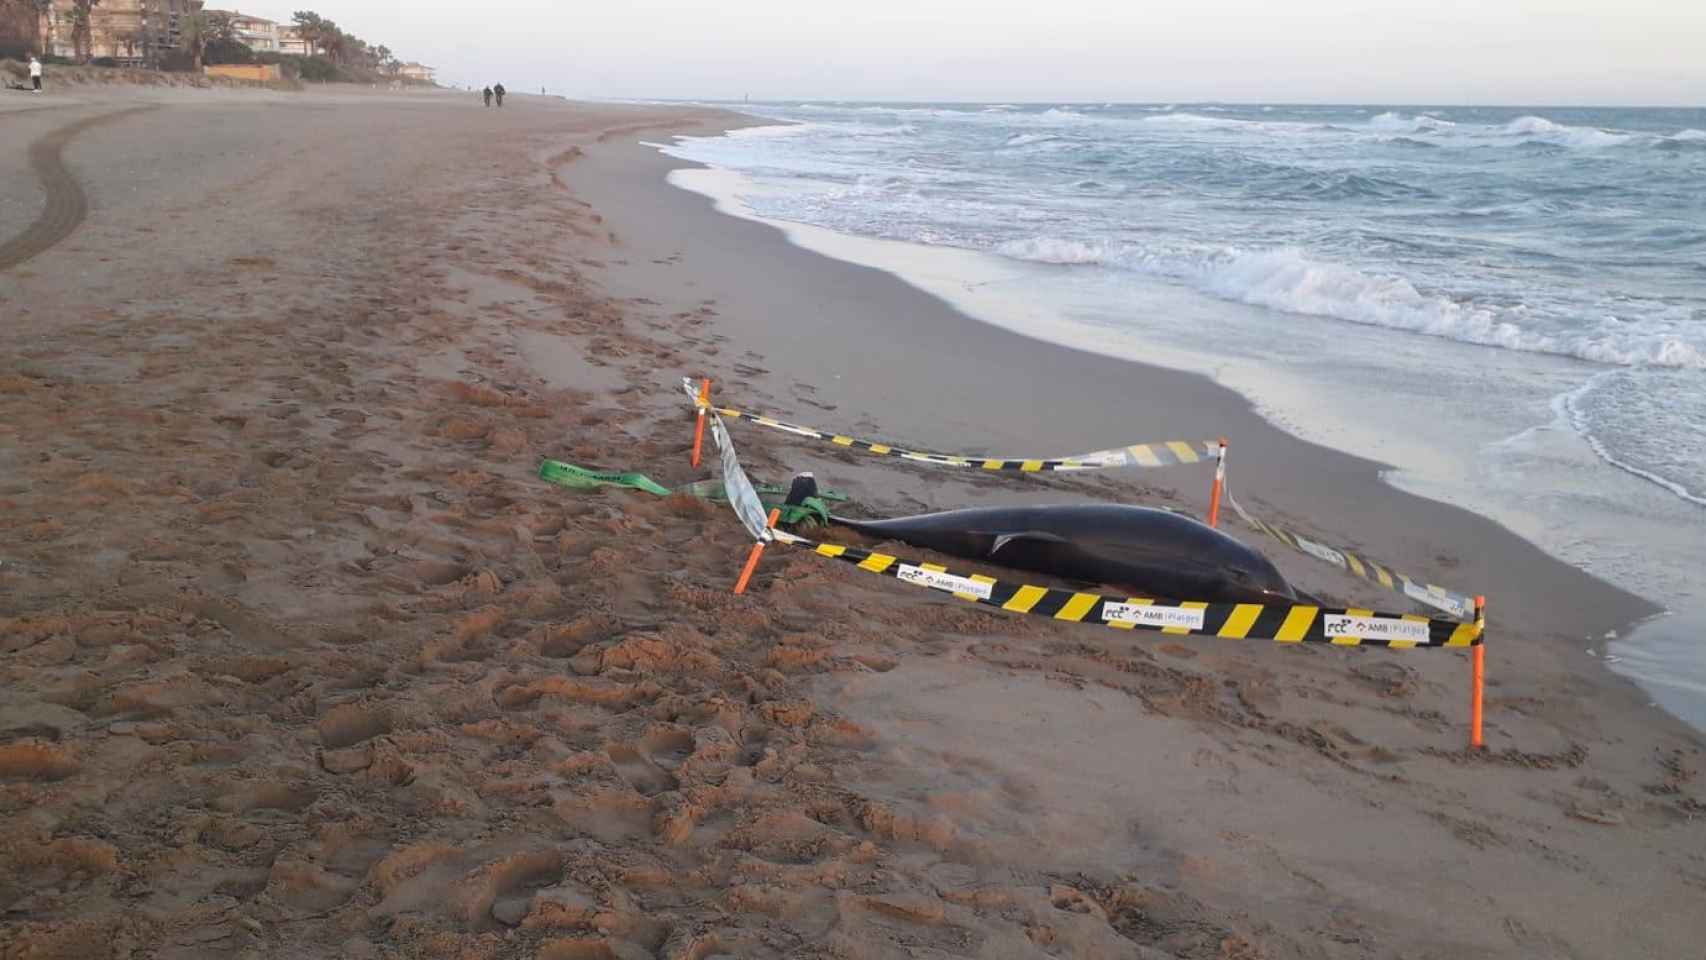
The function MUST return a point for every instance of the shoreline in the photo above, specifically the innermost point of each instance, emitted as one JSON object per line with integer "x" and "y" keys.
{"x": 1277, "y": 455}
{"x": 1530, "y": 465}
{"x": 1632, "y": 648}
{"x": 967, "y": 279}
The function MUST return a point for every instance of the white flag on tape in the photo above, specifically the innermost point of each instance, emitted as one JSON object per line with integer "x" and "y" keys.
{"x": 692, "y": 391}
{"x": 738, "y": 488}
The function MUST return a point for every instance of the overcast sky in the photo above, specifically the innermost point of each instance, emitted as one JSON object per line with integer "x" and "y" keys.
{"x": 1396, "y": 51}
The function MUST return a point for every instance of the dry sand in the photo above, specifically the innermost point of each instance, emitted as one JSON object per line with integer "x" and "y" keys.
{"x": 297, "y": 659}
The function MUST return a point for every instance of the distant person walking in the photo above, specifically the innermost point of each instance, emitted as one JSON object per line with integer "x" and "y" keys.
{"x": 487, "y": 93}
{"x": 35, "y": 73}
{"x": 499, "y": 90}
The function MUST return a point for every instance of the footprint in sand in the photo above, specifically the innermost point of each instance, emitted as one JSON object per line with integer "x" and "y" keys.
{"x": 567, "y": 640}
{"x": 668, "y": 749}
{"x": 27, "y": 760}
{"x": 754, "y": 745}
{"x": 640, "y": 772}
{"x": 1539, "y": 941}
{"x": 1387, "y": 678}
{"x": 348, "y": 724}
{"x": 268, "y": 795}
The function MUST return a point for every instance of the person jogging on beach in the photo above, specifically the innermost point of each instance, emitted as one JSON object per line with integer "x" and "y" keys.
{"x": 487, "y": 93}
{"x": 35, "y": 73}
{"x": 499, "y": 90}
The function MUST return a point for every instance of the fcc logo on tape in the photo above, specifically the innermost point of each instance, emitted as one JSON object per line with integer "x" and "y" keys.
{"x": 1375, "y": 628}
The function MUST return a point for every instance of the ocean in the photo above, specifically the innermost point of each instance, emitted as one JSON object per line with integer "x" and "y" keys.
{"x": 1507, "y": 305}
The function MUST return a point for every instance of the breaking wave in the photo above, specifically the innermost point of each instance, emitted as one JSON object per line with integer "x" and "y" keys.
{"x": 1424, "y": 129}
{"x": 1287, "y": 279}
{"x": 1027, "y": 139}
{"x": 1398, "y": 123}
{"x": 1544, "y": 129}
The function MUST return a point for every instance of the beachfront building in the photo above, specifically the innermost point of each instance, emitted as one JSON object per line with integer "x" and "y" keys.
{"x": 257, "y": 33}
{"x": 417, "y": 72}
{"x": 292, "y": 42}
{"x": 129, "y": 31}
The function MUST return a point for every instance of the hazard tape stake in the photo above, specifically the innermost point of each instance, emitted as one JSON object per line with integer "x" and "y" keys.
{"x": 1219, "y": 484}
{"x": 1477, "y": 676}
{"x": 699, "y": 428}
{"x": 757, "y": 551}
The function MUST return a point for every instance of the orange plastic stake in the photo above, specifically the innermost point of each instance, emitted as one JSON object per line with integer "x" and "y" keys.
{"x": 752, "y": 558}
{"x": 1478, "y": 670}
{"x": 1219, "y": 484}
{"x": 699, "y": 429}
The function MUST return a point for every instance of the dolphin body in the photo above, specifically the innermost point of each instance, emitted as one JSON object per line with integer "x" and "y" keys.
{"x": 1153, "y": 553}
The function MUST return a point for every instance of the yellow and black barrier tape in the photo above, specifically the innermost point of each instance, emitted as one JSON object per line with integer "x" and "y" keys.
{"x": 1287, "y": 623}
{"x": 1162, "y": 453}
{"x": 1459, "y": 605}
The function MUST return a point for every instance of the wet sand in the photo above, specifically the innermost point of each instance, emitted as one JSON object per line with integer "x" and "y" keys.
{"x": 297, "y": 657}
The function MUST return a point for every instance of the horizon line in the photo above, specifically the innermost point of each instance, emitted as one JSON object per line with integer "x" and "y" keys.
{"x": 1514, "y": 105}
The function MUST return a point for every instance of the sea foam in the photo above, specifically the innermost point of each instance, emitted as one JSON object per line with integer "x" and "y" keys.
{"x": 1544, "y": 129}
{"x": 1289, "y": 280}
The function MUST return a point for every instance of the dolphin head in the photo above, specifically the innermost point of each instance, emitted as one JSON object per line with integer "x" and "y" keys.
{"x": 1257, "y": 580}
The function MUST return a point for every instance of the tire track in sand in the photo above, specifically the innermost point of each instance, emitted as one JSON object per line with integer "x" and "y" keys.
{"x": 67, "y": 205}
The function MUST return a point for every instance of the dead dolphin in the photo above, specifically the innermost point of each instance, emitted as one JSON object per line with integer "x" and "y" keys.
{"x": 1152, "y": 553}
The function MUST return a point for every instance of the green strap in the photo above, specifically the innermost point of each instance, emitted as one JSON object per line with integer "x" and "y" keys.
{"x": 811, "y": 511}
{"x": 580, "y": 478}
{"x": 713, "y": 490}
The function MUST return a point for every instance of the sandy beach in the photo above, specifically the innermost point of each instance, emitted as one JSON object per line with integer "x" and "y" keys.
{"x": 298, "y": 657}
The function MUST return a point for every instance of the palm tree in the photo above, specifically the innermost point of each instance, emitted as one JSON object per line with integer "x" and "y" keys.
{"x": 81, "y": 13}
{"x": 20, "y": 23}
{"x": 333, "y": 41}
{"x": 322, "y": 35}
{"x": 312, "y": 28}
{"x": 202, "y": 28}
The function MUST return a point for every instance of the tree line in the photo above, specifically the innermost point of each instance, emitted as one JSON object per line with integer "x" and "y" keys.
{"x": 211, "y": 37}
{"x": 342, "y": 48}
{"x": 335, "y": 54}
{"x": 20, "y": 26}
